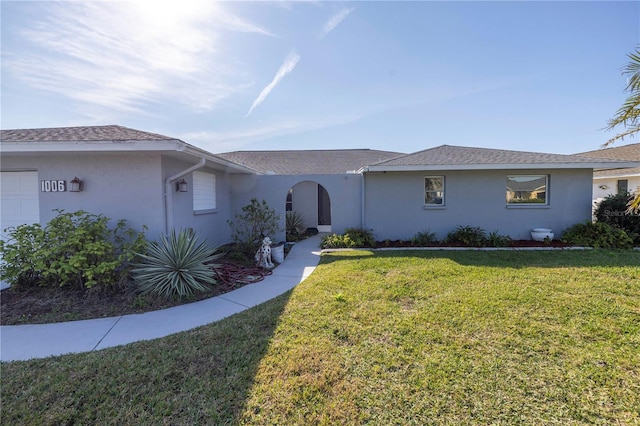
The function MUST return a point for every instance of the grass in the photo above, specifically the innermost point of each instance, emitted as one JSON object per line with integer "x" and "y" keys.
{"x": 378, "y": 338}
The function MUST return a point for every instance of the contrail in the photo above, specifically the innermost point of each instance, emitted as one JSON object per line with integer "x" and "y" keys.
{"x": 289, "y": 64}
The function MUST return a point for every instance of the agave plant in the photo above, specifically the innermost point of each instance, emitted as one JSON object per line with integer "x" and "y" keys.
{"x": 176, "y": 266}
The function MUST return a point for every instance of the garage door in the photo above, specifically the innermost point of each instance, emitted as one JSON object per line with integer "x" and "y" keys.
{"x": 19, "y": 199}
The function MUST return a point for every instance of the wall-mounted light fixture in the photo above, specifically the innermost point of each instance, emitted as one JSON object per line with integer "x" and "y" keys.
{"x": 76, "y": 185}
{"x": 604, "y": 187}
{"x": 181, "y": 185}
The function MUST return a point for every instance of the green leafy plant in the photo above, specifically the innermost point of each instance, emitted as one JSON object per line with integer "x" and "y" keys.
{"x": 494, "y": 239}
{"x": 256, "y": 221}
{"x": 613, "y": 210}
{"x": 598, "y": 235}
{"x": 176, "y": 266}
{"x": 361, "y": 237}
{"x": 76, "y": 249}
{"x": 337, "y": 241}
{"x": 424, "y": 238}
{"x": 468, "y": 236}
{"x": 294, "y": 225}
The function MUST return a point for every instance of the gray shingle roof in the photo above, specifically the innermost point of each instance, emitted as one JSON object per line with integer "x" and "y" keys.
{"x": 84, "y": 133}
{"x": 308, "y": 161}
{"x": 447, "y": 155}
{"x": 625, "y": 152}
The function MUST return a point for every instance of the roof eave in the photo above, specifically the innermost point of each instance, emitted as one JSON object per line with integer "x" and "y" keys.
{"x": 528, "y": 166}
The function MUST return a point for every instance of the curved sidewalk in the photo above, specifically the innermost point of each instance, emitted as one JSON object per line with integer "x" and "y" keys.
{"x": 22, "y": 342}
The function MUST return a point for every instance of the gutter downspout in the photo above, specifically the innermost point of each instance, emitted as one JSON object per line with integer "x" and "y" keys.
{"x": 362, "y": 200}
{"x": 168, "y": 193}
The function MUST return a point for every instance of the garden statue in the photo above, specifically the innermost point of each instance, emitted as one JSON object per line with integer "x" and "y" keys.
{"x": 263, "y": 255}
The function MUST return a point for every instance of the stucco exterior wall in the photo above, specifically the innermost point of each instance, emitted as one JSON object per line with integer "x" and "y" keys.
{"x": 344, "y": 192}
{"x": 210, "y": 225}
{"x": 394, "y": 203}
{"x": 120, "y": 186}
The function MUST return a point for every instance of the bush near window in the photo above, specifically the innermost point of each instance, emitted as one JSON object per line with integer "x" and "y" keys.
{"x": 176, "y": 266}
{"x": 468, "y": 236}
{"x": 256, "y": 221}
{"x": 337, "y": 241}
{"x": 598, "y": 235}
{"x": 424, "y": 238}
{"x": 613, "y": 210}
{"x": 75, "y": 249}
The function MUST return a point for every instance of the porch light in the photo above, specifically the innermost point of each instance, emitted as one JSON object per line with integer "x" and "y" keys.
{"x": 181, "y": 185}
{"x": 604, "y": 187}
{"x": 76, "y": 185}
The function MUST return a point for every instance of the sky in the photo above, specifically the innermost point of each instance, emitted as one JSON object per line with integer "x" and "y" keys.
{"x": 276, "y": 75}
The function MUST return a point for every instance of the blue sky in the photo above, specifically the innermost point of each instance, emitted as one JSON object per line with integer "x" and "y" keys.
{"x": 401, "y": 76}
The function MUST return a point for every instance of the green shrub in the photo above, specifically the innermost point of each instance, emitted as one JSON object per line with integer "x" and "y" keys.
{"x": 468, "y": 236}
{"x": 337, "y": 241}
{"x": 73, "y": 250}
{"x": 176, "y": 266}
{"x": 256, "y": 221}
{"x": 294, "y": 225}
{"x": 598, "y": 234}
{"x": 361, "y": 237}
{"x": 613, "y": 211}
{"x": 496, "y": 240}
{"x": 424, "y": 238}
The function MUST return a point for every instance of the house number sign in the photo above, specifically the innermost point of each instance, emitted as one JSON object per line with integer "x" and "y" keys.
{"x": 53, "y": 185}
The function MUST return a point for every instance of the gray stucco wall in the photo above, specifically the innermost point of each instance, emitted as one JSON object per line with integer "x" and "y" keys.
{"x": 209, "y": 225}
{"x": 395, "y": 203}
{"x": 120, "y": 186}
{"x": 344, "y": 192}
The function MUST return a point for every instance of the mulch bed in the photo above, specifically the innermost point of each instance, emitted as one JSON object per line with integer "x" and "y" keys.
{"x": 514, "y": 244}
{"x": 41, "y": 305}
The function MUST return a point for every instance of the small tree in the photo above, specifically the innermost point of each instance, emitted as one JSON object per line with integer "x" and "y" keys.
{"x": 256, "y": 221}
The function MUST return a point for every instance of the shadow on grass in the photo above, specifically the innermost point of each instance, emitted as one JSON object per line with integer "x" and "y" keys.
{"x": 202, "y": 376}
{"x": 505, "y": 258}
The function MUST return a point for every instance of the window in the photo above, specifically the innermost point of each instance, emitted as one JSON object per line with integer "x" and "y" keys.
{"x": 434, "y": 191}
{"x": 527, "y": 189}
{"x": 289, "y": 202}
{"x": 623, "y": 186}
{"x": 204, "y": 191}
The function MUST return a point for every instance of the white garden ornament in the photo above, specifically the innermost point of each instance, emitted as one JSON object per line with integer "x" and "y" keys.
{"x": 263, "y": 255}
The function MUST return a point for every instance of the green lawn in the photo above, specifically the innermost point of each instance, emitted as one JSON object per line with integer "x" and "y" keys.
{"x": 404, "y": 337}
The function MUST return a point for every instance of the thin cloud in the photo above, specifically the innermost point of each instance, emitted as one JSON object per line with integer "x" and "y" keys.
{"x": 335, "y": 20}
{"x": 126, "y": 56}
{"x": 289, "y": 64}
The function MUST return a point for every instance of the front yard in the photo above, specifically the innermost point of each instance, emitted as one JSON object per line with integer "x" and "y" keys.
{"x": 416, "y": 337}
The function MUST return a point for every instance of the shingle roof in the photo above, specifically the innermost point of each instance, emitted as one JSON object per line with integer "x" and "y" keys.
{"x": 308, "y": 161}
{"x": 85, "y": 133}
{"x": 447, "y": 155}
{"x": 625, "y": 152}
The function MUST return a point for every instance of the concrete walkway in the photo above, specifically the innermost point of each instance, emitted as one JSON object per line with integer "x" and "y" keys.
{"x": 22, "y": 342}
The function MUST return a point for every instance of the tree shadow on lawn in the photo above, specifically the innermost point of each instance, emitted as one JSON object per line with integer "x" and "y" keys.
{"x": 504, "y": 258}
{"x": 201, "y": 376}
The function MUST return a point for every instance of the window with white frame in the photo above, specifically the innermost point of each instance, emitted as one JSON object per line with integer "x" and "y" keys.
{"x": 204, "y": 191}
{"x": 433, "y": 191}
{"x": 527, "y": 190}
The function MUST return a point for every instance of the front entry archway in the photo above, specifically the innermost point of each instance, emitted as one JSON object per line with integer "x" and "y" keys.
{"x": 312, "y": 203}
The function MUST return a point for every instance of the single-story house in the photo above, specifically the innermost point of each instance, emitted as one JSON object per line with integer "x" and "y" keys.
{"x": 165, "y": 183}
{"x": 616, "y": 181}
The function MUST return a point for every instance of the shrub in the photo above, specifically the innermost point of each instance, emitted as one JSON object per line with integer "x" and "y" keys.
{"x": 361, "y": 237}
{"x": 468, "y": 235}
{"x": 74, "y": 249}
{"x": 176, "y": 266}
{"x": 613, "y": 211}
{"x": 598, "y": 234}
{"x": 496, "y": 240}
{"x": 294, "y": 225}
{"x": 337, "y": 241}
{"x": 424, "y": 238}
{"x": 256, "y": 221}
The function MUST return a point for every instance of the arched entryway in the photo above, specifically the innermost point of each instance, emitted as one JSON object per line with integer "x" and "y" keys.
{"x": 310, "y": 201}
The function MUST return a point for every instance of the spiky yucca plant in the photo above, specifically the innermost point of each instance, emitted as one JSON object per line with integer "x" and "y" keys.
{"x": 176, "y": 266}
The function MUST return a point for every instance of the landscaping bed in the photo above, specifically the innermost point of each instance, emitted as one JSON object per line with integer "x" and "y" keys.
{"x": 512, "y": 244}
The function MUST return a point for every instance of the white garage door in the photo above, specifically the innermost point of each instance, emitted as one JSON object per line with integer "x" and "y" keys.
{"x": 19, "y": 199}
